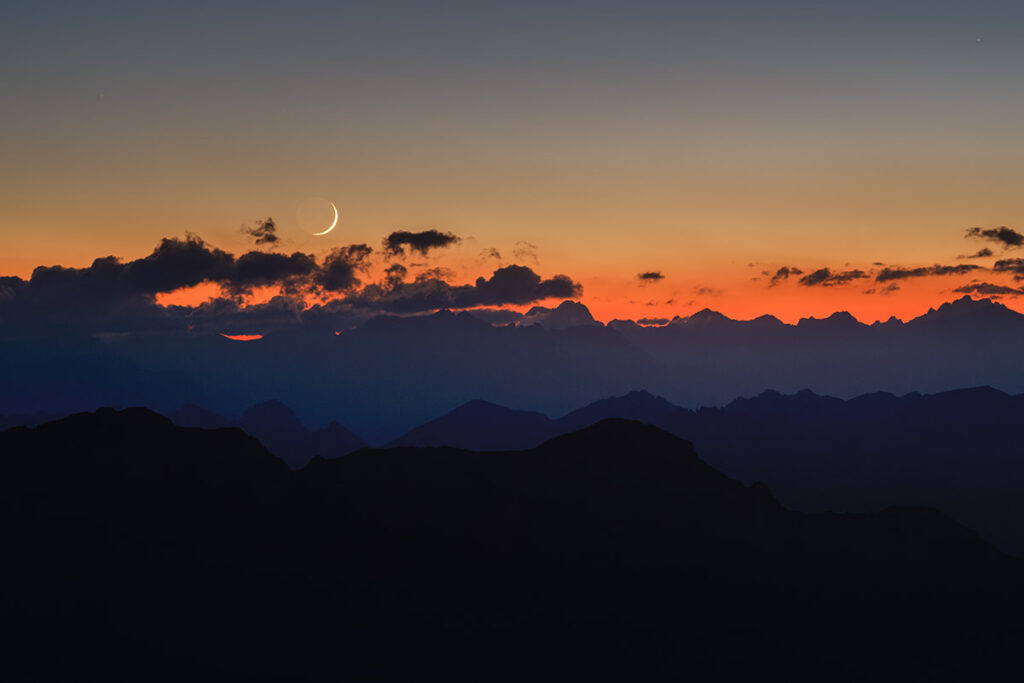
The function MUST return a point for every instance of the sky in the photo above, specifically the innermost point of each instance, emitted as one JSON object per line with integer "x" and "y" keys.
{"x": 711, "y": 143}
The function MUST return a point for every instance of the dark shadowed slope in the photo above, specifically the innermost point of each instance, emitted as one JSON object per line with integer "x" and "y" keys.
{"x": 636, "y": 405}
{"x": 279, "y": 429}
{"x": 960, "y": 451}
{"x": 139, "y": 549}
{"x": 481, "y": 426}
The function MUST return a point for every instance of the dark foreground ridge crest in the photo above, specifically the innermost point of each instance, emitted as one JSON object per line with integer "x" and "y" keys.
{"x": 140, "y": 546}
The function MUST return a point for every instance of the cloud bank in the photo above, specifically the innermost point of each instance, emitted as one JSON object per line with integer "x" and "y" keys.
{"x": 115, "y": 296}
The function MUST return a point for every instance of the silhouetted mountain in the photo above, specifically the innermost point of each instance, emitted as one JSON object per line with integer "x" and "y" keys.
{"x": 482, "y": 426}
{"x": 636, "y": 405}
{"x": 969, "y": 316}
{"x": 273, "y": 423}
{"x": 279, "y": 429}
{"x": 134, "y": 545}
{"x": 958, "y": 451}
{"x": 390, "y": 373}
{"x": 567, "y": 314}
{"x": 191, "y": 415}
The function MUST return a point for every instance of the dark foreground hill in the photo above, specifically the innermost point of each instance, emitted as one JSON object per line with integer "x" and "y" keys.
{"x": 279, "y": 429}
{"x": 959, "y": 451}
{"x": 139, "y": 550}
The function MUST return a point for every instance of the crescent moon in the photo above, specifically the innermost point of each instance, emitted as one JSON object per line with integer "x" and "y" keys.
{"x": 333, "y": 223}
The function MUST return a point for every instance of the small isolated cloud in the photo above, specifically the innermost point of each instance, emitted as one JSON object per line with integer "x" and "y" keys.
{"x": 990, "y": 289}
{"x": 398, "y": 242}
{"x": 650, "y": 277}
{"x": 782, "y": 274}
{"x": 1010, "y": 265}
{"x": 984, "y": 252}
{"x": 897, "y": 273}
{"x": 889, "y": 289}
{"x": 653, "y": 321}
{"x": 524, "y": 251}
{"x": 264, "y": 232}
{"x": 1005, "y": 236}
{"x": 708, "y": 291}
{"x": 490, "y": 254}
{"x": 824, "y": 277}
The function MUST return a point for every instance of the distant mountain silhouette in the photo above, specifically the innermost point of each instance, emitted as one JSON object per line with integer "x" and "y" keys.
{"x": 959, "y": 451}
{"x": 481, "y": 426}
{"x": 279, "y": 429}
{"x": 391, "y": 374}
{"x": 134, "y": 545}
{"x": 636, "y": 405}
{"x": 567, "y": 314}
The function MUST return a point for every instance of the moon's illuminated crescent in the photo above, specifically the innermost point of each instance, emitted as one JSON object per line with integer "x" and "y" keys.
{"x": 335, "y": 222}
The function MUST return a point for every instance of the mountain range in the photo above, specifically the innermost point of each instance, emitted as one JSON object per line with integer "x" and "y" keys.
{"x": 390, "y": 374}
{"x": 279, "y": 429}
{"x": 138, "y": 548}
{"x": 959, "y": 451}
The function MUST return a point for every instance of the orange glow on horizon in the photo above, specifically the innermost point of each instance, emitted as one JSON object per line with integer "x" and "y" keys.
{"x": 242, "y": 337}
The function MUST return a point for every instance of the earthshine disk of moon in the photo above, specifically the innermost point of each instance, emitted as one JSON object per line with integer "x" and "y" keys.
{"x": 333, "y": 223}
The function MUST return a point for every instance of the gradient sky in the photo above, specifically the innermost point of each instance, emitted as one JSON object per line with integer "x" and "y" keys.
{"x": 693, "y": 139}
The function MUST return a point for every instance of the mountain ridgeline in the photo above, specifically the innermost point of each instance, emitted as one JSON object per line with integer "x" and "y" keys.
{"x": 390, "y": 374}
{"x": 279, "y": 429}
{"x": 141, "y": 549}
{"x": 960, "y": 451}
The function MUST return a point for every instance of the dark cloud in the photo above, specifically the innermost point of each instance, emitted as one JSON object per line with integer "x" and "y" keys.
{"x": 338, "y": 272}
{"x": 257, "y": 268}
{"x": 394, "y": 275}
{"x": 265, "y": 232}
{"x": 990, "y": 289}
{"x": 889, "y": 289}
{"x": 228, "y": 316}
{"x": 708, "y": 291}
{"x": 783, "y": 274}
{"x": 114, "y": 297}
{"x": 984, "y": 252}
{"x": 824, "y": 277}
{"x": 897, "y": 273}
{"x": 516, "y": 285}
{"x": 397, "y": 242}
{"x": 653, "y": 321}
{"x": 1003, "y": 235}
{"x": 177, "y": 263}
{"x": 508, "y": 285}
{"x": 650, "y": 276}
{"x": 1010, "y": 265}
